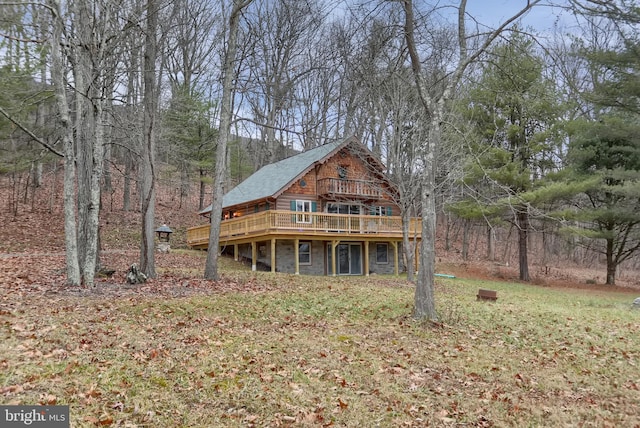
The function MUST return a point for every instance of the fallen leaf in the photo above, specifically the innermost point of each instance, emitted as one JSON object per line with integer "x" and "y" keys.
{"x": 343, "y": 405}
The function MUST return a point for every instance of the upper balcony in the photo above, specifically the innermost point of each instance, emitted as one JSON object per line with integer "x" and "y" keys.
{"x": 303, "y": 225}
{"x": 331, "y": 188}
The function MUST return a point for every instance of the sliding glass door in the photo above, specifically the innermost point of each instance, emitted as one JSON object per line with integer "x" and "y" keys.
{"x": 348, "y": 259}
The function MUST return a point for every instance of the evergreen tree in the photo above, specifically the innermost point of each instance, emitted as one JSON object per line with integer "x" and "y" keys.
{"x": 604, "y": 152}
{"x": 514, "y": 110}
{"x": 190, "y": 138}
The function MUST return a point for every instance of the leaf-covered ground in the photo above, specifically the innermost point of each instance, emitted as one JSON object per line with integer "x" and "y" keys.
{"x": 268, "y": 350}
{"x": 262, "y": 349}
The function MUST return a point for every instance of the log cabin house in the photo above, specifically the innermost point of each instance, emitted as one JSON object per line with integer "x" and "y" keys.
{"x": 326, "y": 211}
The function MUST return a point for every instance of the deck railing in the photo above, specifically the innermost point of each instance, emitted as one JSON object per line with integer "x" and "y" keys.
{"x": 303, "y": 223}
{"x": 359, "y": 188}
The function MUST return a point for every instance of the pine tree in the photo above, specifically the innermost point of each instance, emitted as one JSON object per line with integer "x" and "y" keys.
{"x": 513, "y": 109}
{"x": 605, "y": 153}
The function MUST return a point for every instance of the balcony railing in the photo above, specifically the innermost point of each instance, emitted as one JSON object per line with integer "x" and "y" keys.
{"x": 353, "y": 188}
{"x": 303, "y": 224}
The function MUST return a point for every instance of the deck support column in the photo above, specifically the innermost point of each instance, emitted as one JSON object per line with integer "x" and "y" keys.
{"x": 235, "y": 252}
{"x": 395, "y": 257}
{"x": 273, "y": 255}
{"x": 334, "y": 244}
{"x": 366, "y": 258}
{"x": 296, "y": 255}
{"x": 254, "y": 256}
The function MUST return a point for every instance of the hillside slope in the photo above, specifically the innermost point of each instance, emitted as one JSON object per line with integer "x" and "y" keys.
{"x": 31, "y": 221}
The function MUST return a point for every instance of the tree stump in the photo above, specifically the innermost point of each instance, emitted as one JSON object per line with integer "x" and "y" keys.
{"x": 134, "y": 276}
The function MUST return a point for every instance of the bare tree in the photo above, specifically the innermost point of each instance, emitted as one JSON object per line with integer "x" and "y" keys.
{"x": 226, "y": 115}
{"x": 66, "y": 130}
{"x": 188, "y": 133}
{"x": 127, "y": 132}
{"x": 434, "y": 99}
{"x": 314, "y": 94}
{"x": 148, "y": 193}
{"x": 279, "y": 34}
{"x": 403, "y": 135}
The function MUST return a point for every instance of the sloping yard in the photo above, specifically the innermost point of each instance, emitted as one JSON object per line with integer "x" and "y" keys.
{"x": 262, "y": 349}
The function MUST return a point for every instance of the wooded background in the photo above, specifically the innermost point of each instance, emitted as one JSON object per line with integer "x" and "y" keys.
{"x": 522, "y": 142}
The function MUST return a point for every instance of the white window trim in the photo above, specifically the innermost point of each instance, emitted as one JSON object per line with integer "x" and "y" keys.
{"x": 380, "y": 210}
{"x": 306, "y": 208}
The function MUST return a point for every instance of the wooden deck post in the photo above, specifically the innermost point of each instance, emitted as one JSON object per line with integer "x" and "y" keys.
{"x": 366, "y": 258}
{"x": 254, "y": 256}
{"x": 334, "y": 244}
{"x": 235, "y": 252}
{"x": 395, "y": 257}
{"x": 296, "y": 255}
{"x": 273, "y": 255}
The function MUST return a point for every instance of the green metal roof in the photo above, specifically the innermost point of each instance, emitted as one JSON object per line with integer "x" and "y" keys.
{"x": 271, "y": 179}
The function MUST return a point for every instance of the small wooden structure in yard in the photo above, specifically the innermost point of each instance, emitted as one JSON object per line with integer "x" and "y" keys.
{"x": 484, "y": 294}
{"x": 164, "y": 232}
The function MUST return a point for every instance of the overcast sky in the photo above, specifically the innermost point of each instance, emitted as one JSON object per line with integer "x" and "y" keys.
{"x": 541, "y": 18}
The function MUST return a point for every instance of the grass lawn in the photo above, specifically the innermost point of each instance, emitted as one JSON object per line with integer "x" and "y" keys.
{"x": 285, "y": 350}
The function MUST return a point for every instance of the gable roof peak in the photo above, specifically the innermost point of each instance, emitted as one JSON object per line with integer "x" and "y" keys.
{"x": 273, "y": 179}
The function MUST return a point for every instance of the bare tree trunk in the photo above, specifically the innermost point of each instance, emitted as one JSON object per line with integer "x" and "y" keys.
{"x": 611, "y": 265}
{"x": 128, "y": 170}
{"x": 107, "y": 184}
{"x": 506, "y": 253}
{"x": 447, "y": 236}
{"x": 57, "y": 77}
{"x": 202, "y": 190}
{"x": 491, "y": 243}
{"x": 81, "y": 75}
{"x": 408, "y": 245}
{"x": 131, "y": 105}
{"x": 523, "y": 234}
{"x": 466, "y": 229}
{"x": 93, "y": 208}
{"x": 107, "y": 132}
{"x": 211, "y": 267}
{"x": 89, "y": 75}
{"x": 433, "y": 101}
{"x": 97, "y": 170}
{"x": 36, "y": 169}
{"x": 148, "y": 191}
{"x": 424, "y": 300}
{"x": 184, "y": 182}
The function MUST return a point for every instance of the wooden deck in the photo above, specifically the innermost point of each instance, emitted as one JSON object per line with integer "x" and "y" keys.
{"x": 363, "y": 189}
{"x": 290, "y": 224}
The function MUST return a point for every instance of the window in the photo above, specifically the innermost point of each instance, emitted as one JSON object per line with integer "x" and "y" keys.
{"x": 343, "y": 209}
{"x": 382, "y": 254}
{"x": 381, "y": 211}
{"x": 304, "y": 252}
{"x": 342, "y": 172}
{"x": 303, "y": 207}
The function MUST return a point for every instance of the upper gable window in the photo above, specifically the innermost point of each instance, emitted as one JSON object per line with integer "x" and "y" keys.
{"x": 342, "y": 172}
